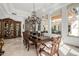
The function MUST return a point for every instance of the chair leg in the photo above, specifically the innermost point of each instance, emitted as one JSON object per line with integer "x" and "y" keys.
{"x": 1, "y": 51}
{"x": 36, "y": 49}
{"x": 40, "y": 52}
{"x": 57, "y": 54}
{"x": 28, "y": 46}
{"x": 24, "y": 42}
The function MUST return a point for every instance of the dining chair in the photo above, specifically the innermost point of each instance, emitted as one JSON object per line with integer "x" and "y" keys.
{"x": 1, "y": 46}
{"x": 50, "y": 48}
{"x": 26, "y": 39}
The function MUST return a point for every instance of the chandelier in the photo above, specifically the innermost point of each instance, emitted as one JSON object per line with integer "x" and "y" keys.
{"x": 33, "y": 18}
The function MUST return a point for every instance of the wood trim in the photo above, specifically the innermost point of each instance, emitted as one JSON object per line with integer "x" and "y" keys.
{"x": 60, "y": 16}
{"x": 56, "y": 17}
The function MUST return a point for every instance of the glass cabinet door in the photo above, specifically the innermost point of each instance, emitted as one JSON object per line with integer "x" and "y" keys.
{"x": 18, "y": 29}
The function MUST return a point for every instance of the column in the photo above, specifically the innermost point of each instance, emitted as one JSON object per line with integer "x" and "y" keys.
{"x": 64, "y": 23}
{"x": 49, "y": 26}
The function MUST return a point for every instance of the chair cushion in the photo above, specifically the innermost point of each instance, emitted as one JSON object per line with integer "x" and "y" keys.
{"x": 48, "y": 46}
{"x": 48, "y": 50}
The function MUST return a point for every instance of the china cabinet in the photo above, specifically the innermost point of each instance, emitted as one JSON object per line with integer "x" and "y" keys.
{"x": 10, "y": 28}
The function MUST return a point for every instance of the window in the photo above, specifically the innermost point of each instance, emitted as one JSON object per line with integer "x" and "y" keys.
{"x": 73, "y": 21}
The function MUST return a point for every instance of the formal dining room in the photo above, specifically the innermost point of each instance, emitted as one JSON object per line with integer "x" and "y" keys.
{"x": 39, "y": 29}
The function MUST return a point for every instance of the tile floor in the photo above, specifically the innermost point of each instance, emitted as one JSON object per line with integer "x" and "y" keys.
{"x": 15, "y": 47}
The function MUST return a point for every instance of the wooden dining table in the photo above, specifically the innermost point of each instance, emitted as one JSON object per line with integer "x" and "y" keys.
{"x": 40, "y": 39}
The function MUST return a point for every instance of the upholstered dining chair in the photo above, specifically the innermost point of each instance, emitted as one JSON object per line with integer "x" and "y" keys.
{"x": 50, "y": 48}
{"x": 29, "y": 40}
{"x": 26, "y": 39}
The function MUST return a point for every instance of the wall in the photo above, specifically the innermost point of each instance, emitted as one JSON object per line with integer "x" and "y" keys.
{"x": 72, "y": 40}
{"x": 2, "y": 14}
{"x": 67, "y": 39}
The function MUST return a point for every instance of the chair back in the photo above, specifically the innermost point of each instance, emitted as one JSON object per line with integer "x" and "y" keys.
{"x": 55, "y": 45}
{"x": 25, "y": 36}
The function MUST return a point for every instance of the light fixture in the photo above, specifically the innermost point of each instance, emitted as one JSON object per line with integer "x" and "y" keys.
{"x": 33, "y": 18}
